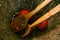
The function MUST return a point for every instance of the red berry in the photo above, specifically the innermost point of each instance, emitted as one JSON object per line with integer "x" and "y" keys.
{"x": 43, "y": 25}
{"x": 24, "y": 12}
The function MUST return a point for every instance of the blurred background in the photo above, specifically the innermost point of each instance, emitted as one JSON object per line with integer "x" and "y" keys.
{"x": 9, "y": 7}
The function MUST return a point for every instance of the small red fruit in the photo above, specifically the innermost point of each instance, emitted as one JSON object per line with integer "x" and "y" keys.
{"x": 23, "y": 12}
{"x": 43, "y": 25}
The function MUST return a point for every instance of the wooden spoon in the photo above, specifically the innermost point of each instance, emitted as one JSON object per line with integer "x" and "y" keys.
{"x": 22, "y": 21}
{"x": 41, "y": 19}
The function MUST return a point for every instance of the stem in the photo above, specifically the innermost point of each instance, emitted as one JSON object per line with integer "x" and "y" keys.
{"x": 46, "y": 16}
{"x": 38, "y": 8}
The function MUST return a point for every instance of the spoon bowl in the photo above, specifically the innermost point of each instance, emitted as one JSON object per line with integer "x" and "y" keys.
{"x": 17, "y": 23}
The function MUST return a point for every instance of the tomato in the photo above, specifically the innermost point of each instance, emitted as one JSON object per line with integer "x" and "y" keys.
{"x": 43, "y": 25}
{"x": 23, "y": 12}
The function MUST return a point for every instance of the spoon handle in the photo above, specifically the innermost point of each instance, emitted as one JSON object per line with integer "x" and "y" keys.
{"x": 38, "y": 8}
{"x": 46, "y": 16}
